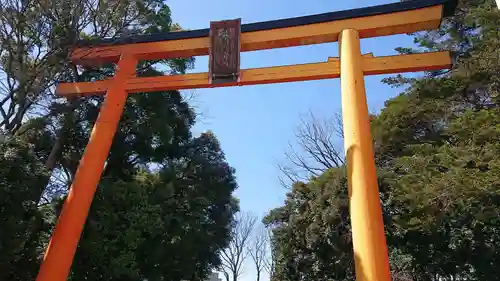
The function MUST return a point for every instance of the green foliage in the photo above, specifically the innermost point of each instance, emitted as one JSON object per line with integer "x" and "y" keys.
{"x": 178, "y": 218}
{"x": 21, "y": 223}
{"x": 443, "y": 200}
{"x": 311, "y": 233}
{"x": 164, "y": 208}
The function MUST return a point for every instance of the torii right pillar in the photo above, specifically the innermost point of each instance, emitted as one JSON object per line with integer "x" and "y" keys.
{"x": 368, "y": 237}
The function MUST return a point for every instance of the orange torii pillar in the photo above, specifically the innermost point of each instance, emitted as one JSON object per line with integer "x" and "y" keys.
{"x": 61, "y": 250}
{"x": 368, "y": 237}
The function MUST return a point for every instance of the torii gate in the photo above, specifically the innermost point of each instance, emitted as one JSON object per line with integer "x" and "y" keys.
{"x": 223, "y": 42}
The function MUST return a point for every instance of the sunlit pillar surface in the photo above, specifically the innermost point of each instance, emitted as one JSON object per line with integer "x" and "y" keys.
{"x": 369, "y": 243}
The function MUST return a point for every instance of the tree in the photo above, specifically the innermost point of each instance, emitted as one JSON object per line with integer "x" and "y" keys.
{"x": 258, "y": 250}
{"x": 271, "y": 259}
{"x": 187, "y": 167}
{"x": 311, "y": 231}
{"x": 153, "y": 151}
{"x": 20, "y": 174}
{"x": 36, "y": 36}
{"x": 35, "y": 39}
{"x": 237, "y": 251}
{"x": 316, "y": 152}
{"x": 179, "y": 217}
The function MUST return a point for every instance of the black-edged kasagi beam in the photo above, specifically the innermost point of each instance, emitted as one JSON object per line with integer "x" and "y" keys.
{"x": 389, "y": 19}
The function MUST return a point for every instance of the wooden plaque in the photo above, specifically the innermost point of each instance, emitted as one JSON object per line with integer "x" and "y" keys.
{"x": 224, "y": 53}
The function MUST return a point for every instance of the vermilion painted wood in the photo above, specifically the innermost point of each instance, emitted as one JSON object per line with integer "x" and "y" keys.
{"x": 64, "y": 241}
{"x": 267, "y": 75}
{"x": 327, "y": 29}
{"x": 368, "y": 237}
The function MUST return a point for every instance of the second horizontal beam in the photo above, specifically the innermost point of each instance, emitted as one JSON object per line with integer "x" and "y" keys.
{"x": 267, "y": 75}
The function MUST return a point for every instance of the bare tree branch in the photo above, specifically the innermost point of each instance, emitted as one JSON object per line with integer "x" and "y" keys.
{"x": 271, "y": 258}
{"x": 36, "y": 38}
{"x": 258, "y": 250}
{"x": 315, "y": 150}
{"x": 235, "y": 254}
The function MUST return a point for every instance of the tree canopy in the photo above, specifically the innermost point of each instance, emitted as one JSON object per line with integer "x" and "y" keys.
{"x": 164, "y": 208}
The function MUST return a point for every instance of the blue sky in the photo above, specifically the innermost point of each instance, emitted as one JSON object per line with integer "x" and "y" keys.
{"x": 255, "y": 124}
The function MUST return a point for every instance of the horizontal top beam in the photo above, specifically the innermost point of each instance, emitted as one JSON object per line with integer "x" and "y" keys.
{"x": 281, "y": 23}
{"x": 395, "y": 18}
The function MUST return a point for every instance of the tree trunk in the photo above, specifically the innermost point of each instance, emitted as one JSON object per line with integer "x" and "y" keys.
{"x": 61, "y": 136}
{"x": 58, "y": 148}
{"x": 56, "y": 151}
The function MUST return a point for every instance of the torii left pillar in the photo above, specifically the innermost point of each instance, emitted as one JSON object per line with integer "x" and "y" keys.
{"x": 62, "y": 247}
